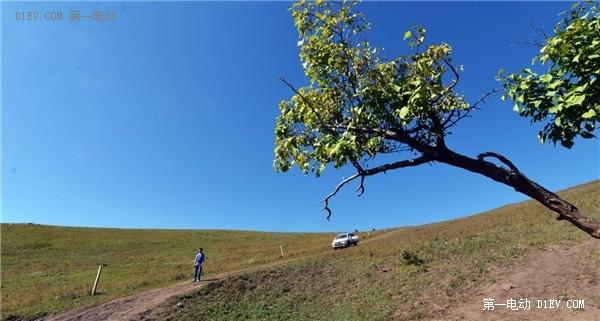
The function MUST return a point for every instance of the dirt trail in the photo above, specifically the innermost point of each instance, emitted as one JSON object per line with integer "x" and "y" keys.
{"x": 130, "y": 307}
{"x": 571, "y": 275}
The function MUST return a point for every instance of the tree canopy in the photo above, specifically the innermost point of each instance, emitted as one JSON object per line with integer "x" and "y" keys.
{"x": 567, "y": 97}
{"x": 355, "y": 95}
{"x": 360, "y": 104}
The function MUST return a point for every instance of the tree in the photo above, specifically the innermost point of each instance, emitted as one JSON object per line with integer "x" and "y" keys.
{"x": 360, "y": 105}
{"x": 567, "y": 97}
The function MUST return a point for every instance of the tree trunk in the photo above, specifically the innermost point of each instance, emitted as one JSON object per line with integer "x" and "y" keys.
{"x": 512, "y": 177}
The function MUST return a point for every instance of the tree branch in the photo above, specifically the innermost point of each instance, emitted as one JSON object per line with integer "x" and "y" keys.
{"x": 337, "y": 188}
{"x": 303, "y": 98}
{"x": 449, "y": 122}
{"x": 539, "y": 32}
{"x": 503, "y": 159}
{"x": 373, "y": 171}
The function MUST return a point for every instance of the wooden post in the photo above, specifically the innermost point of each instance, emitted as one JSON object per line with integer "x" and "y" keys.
{"x": 281, "y": 248}
{"x": 97, "y": 279}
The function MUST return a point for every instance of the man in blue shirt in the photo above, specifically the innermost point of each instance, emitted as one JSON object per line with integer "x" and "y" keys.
{"x": 198, "y": 263}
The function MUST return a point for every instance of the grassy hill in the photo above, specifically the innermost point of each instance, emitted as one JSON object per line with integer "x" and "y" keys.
{"x": 64, "y": 261}
{"x": 410, "y": 273}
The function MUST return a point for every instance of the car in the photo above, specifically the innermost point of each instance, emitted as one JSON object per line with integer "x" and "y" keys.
{"x": 344, "y": 240}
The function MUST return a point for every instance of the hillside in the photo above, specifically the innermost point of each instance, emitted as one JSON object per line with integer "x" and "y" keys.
{"x": 64, "y": 261}
{"x": 437, "y": 271}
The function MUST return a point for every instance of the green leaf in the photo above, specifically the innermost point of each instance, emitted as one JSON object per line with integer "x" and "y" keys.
{"x": 535, "y": 58}
{"x": 590, "y": 126}
{"x": 577, "y": 99}
{"x": 404, "y": 112}
{"x": 546, "y": 78}
{"x": 587, "y": 135}
{"x": 521, "y": 99}
{"x": 407, "y": 34}
{"x": 542, "y": 137}
{"x": 567, "y": 143}
{"x": 536, "y": 103}
{"x": 555, "y": 84}
{"x": 589, "y": 114}
{"x": 555, "y": 109}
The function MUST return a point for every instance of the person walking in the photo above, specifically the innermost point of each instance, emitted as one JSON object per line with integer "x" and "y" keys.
{"x": 198, "y": 263}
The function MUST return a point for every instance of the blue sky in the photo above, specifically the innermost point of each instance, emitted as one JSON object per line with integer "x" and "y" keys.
{"x": 164, "y": 118}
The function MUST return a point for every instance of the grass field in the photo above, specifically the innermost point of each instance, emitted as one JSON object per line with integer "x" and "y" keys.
{"x": 64, "y": 261}
{"x": 423, "y": 267}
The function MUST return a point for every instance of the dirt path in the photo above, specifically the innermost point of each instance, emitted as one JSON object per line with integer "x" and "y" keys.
{"x": 571, "y": 275}
{"x": 130, "y": 307}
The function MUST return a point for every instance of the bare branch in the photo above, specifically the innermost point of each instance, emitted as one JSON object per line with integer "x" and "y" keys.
{"x": 503, "y": 159}
{"x": 400, "y": 164}
{"x": 360, "y": 171}
{"x": 538, "y": 32}
{"x": 449, "y": 122}
{"x": 484, "y": 97}
{"x": 361, "y": 187}
{"x": 456, "y": 77}
{"x": 373, "y": 171}
{"x": 337, "y": 188}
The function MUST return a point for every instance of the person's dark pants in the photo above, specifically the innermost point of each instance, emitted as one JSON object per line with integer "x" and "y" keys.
{"x": 197, "y": 272}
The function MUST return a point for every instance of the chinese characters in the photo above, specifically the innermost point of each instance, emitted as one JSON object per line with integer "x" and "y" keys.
{"x": 525, "y": 304}
{"x": 98, "y": 16}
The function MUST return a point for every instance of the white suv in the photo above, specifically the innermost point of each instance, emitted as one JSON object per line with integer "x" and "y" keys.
{"x": 344, "y": 240}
